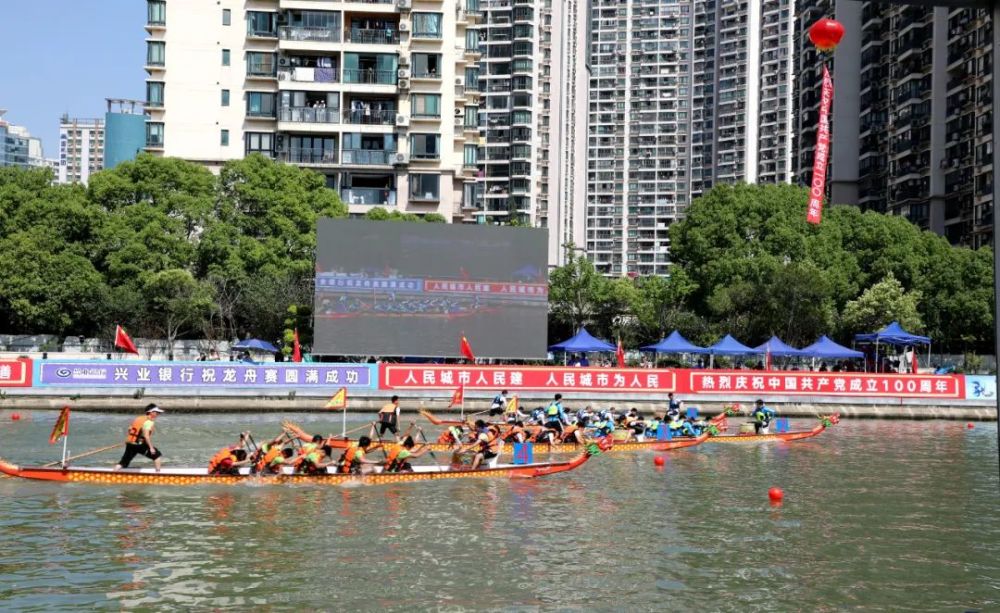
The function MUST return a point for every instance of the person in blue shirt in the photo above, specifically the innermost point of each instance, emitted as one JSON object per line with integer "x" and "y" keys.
{"x": 762, "y": 416}
{"x": 555, "y": 416}
{"x": 673, "y": 408}
{"x": 602, "y": 424}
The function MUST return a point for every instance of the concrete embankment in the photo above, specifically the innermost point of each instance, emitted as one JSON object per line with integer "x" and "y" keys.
{"x": 871, "y": 408}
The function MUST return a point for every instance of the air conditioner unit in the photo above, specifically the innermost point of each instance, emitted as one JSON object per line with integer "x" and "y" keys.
{"x": 404, "y": 26}
{"x": 403, "y": 73}
{"x": 403, "y": 84}
{"x": 404, "y": 5}
{"x": 459, "y": 112}
{"x": 400, "y": 158}
{"x": 402, "y": 121}
{"x": 459, "y": 81}
{"x": 283, "y": 61}
{"x": 404, "y": 60}
{"x": 279, "y": 142}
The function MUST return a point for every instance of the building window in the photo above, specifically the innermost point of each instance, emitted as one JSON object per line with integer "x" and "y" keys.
{"x": 155, "y": 53}
{"x": 156, "y": 12}
{"x": 472, "y": 40}
{"x": 224, "y": 138}
{"x": 260, "y": 142}
{"x": 261, "y": 104}
{"x": 225, "y": 97}
{"x": 260, "y": 23}
{"x": 472, "y": 79}
{"x": 227, "y": 17}
{"x": 261, "y": 64}
{"x": 427, "y": 25}
{"x": 471, "y": 155}
{"x": 471, "y": 116}
{"x": 154, "y": 134}
{"x": 425, "y": 187}
{"x": 225, "y": 57}
{"x": 426, "y": 105}
{"x": 154, "y": 93}
{"x": 427, "y": 65}
{"x": 425, "y": 146}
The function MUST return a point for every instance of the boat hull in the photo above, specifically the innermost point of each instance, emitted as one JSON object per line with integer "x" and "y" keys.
{"x": 653, "y": 445}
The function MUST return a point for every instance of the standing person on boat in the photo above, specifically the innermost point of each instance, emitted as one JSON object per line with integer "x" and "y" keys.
{"x": 388, "y": 418}
{"x": 398, "y": 459}
{"x": 499, "y": 404}
{"x": 140, "y": 439}
{"x": 762, "y": 416}
{"x": 673, "y": 408}
{"x": 555, "y": 416}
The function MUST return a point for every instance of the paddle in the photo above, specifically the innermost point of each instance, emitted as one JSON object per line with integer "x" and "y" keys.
{"x": 420, "y": 431}
{"x": 380, "y": 441}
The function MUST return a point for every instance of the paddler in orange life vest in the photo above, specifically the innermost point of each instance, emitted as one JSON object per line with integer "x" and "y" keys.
{"x": 353, "y": 459}
{"x": 140, "y": 439}
{"x": 315, "y": 460}
{"x": 388, "y": 418}
{"x": 451, "y": 437}
{"x": 486, "y": 444}
{"x": 227, "y": 461}
{"x": 398, "y": 459}
{"x": 267, "y": 452}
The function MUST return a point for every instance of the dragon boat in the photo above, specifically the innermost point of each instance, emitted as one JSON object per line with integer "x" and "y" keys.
{"x": 793, "y": 435}
{"x": 200, "y": 476}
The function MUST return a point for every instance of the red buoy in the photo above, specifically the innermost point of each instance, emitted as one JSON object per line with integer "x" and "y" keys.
{"x": 15, "y": 416}
{"x": 775, "y": 494}
{"x": 970, "y": 425}
{"x": 658, "y": 460}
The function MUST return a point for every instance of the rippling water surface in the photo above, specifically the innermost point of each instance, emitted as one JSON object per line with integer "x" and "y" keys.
{"x": 877, "y": 515}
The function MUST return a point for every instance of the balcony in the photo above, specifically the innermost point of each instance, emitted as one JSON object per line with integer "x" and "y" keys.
{"x": 317, "y": 156}
{"x": 370, "y": 75}
{"x": 373, "y": 37}
{"x": 154, "y": 141}
{"x": 303, "y": 114}
{"x": 301, "y": 74}
{"x": 370, "y": 117}
{"x": 267, "y": 69}
{"x": 299, "y": 33}
{"x": 368, "y": 157}
{"x": 372, "y": 196}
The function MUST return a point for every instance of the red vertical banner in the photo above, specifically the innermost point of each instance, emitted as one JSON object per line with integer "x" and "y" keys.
{"x": 821, "y": 153}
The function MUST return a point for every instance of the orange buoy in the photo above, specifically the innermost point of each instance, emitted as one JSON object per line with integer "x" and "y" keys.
{"x": 775, "y": 494}
{"x": 658, "y": 460}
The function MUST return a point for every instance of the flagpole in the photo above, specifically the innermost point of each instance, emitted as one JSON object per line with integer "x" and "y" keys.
{"x": 463, "y": 403}
{"x": 343, "y": 427}
{"x": 65, "y": 441}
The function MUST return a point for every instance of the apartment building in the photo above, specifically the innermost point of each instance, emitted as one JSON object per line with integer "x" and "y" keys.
{"x": 380, "y": 96}
{"x": 683, "y": 96}
{"x": 911, "y": 128}
{"x": 19, "y": 148}
{"x": 81, "y": 148}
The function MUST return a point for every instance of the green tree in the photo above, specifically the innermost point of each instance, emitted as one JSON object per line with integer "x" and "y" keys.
{"x": 881, "y": 304}
{"x": 177, "y": 302}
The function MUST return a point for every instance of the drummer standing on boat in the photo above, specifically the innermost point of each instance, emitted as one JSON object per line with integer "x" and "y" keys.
{"x": 673, "y": 408}
{"x": 388, "y": 417}
{"x": 140, "y": 439}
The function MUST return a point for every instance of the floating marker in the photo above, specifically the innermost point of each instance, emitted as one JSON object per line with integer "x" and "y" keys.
{"x": 658, "y": 460}
{"x": 15, "y": 416}
{"x": 970, "y": 425}
{"x": 775, "y": 494}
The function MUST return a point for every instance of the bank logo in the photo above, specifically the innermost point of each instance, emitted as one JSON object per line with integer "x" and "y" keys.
{"x": 63, "y": 372}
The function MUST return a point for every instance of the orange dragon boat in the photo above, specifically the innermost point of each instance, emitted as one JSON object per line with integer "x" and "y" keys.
{"x": 794, "y": 435}
{"x": 200, "y": 476}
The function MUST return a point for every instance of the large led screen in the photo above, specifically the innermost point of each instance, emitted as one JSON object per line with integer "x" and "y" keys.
{"x": 414, "y": 289}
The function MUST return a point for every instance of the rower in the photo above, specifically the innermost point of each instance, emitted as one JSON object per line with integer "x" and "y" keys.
{"x": 353, "y": 459}
{"x": 555, "y": 417}
{"x": 515, "y": 433}
{"x": 573, "y": 434}
{"x": 499, "y": 404}
{"x": 140, "y": 439}
{"x": 538, "y": 415}
{"x": 762, "y": 417}
{"x": 267, "y": 452}
{"x": 228, "y": 460}
{"x": 451, "y": 437}
{"x": 689, "y": 427}
{"x": 315, "y": 461}
{"x": 652, "y": 424}
{"x": 397, "y": 460}
{"x": 284, "y": 457}
{"x": 675, "y": 424}
{"x": 486, "y": 446}
{"x": 602, "y": 425}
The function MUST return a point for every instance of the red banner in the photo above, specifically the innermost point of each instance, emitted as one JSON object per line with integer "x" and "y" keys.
{"x": 15, "y": 373}
{"x": 682, "y": 381}
{"x": 821, "y": 153}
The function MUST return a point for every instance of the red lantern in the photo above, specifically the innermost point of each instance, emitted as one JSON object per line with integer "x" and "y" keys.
{"x": 826, "y": 34}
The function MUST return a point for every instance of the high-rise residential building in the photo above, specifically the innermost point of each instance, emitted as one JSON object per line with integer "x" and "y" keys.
{"x": 18, "y": 147}
{"x": 81, "y": 148}
{"x": 683, "y": 96}
{"x": 380, "y": 96}
{"x": 911, "y": 130}
{"x": 124, "y": 131}
{"x": 533, "y": 76}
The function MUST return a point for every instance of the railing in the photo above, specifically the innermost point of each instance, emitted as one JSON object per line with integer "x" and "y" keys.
{"x": 329, "y": 35}
{"x": 370, "y": 117}
{"x": 373, "y": 37}
{"x": 261, "y": 32}
{"x": 368, "y": 157}
{"x": 426, "y": 75}
{"x": 370, "y": 75}
{"x": 305, "y": 114}
{"x": 310, "y": 75}
{"x": 427, "y": 34}
{"x": 262, "y": 69}
{"x": 425, "y": 155}
{"x": 368, "y": 195}
{"x": 302, "y": 155}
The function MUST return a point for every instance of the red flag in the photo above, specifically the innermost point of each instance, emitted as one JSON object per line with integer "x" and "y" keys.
{"x": 457, "y": 398}
{"x": 123, "y": 342}
{"x": 821, "y": 153}
{"x": 916, "y": 365}
{"x": 767, "y": 361}
{"x": 61, "y": 428}
{"x": 296, "y": 348}
{"x": 620, "y": 354}
{"x": 466, "y": 349}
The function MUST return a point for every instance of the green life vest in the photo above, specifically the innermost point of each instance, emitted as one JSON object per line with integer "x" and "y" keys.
{"x": 553, "y": 410}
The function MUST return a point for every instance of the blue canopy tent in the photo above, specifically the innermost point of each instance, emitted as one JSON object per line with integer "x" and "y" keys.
{"x": 895, "y": 335}
{"x": 776, "y": 347}
{"x": 674, "y": 343}
{"x": 729, "y": 346}
{"x": 826, "y": 348}
{"x": 583, "y": 342}
{"x": 255, "y": 344}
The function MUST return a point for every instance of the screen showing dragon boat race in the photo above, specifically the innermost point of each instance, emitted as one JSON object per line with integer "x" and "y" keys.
{"x": 415, "y": 289}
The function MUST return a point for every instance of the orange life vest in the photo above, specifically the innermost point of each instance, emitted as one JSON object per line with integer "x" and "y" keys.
{"x": 352, "y": 451}
{"x": 265, "y": 461}
{"x": 568, "y": 432}
{"x": 135, "y": 430}
{"x": 219, "y": 457}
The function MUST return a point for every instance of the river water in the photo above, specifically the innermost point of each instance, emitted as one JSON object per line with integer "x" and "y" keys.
{"x": 879, "y": 515}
